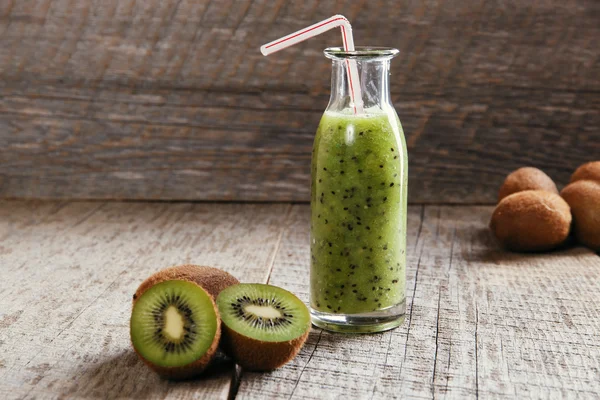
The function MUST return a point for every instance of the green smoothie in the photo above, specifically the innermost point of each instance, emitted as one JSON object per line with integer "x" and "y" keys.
{"x": 358, "y": 213}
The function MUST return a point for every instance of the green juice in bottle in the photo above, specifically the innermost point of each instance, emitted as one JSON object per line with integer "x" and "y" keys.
{"x": 358, "y": 210}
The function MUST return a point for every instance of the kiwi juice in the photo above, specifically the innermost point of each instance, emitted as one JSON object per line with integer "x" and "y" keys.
{"x": 358, "y": 219}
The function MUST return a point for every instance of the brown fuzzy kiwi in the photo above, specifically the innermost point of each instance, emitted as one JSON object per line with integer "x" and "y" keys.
{"x": 264, "y": 326}
{"x": 531, "y": 220}
{"x": 213, "y": 280}
{"x": 256, "y": 355}
{"x": 589, "y": 171}
{"x": 526, "y": 178}
{"x": 584, "y": 198}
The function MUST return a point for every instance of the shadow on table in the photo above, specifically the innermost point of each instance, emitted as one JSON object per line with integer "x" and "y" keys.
{"x": 486, "y": 250}
{"x": 125, "y": 375}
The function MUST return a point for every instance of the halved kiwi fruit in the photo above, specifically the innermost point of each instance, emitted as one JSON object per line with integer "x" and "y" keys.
{"x": 213, "y": 280}
{"x": 175, "y": 328}
{"x": 264, "y": 326}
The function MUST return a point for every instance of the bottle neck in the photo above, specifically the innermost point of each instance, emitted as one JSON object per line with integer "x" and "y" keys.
{"x": 374, "y": 84}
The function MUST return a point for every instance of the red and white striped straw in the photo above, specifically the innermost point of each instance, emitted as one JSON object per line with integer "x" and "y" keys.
{"x": 317, "y": 29}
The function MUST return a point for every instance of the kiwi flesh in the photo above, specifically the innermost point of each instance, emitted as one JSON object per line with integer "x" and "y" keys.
{"x": 526, "y": 178}
{"x": 531, "y": 220}
{"x": 213, "y": 280}
{"x": 175, "y": 328}
{"x": 264, "y": 326}
{"x": 588, "y": 171}
{"x": 584, "y": 199}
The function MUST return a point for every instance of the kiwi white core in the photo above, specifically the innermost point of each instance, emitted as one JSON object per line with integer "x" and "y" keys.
{"x": 174, "y": 323}
{"x": 263, "y": 312}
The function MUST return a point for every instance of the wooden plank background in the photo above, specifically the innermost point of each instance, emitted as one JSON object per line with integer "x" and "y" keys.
{"x": 171, "y": 99}
{"x": 481, "y": 323}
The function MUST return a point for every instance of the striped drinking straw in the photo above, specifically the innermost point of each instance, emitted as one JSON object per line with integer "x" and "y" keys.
{"x": 317, "y": 29}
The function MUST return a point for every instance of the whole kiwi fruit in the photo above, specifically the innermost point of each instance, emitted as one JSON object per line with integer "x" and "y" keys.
{"x": 213, "y": 280}
{"x": 588, "y": 171}
{"x": 531, "y": 220}
{"x": 584, "y": 199}
{"x": 526, "y": 178}
{"x": 175, "y": 328}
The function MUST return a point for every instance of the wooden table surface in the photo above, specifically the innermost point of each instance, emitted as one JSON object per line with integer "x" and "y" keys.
{"x": 481, "y": 322}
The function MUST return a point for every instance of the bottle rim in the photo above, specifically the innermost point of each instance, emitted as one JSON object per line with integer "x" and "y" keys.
{"x": 361, "y": 53}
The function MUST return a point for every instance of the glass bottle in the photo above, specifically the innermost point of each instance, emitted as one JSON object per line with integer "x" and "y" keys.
{"x": 358, "y": 202}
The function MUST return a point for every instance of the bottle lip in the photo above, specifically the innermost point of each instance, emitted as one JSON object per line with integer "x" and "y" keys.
{"x": 361, "y": 53}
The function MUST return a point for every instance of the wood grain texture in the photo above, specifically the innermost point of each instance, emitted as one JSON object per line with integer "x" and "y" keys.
{"x": 171, "y": 99}
{"x": 69, "y": 271}
{"x": 481, "y": 322}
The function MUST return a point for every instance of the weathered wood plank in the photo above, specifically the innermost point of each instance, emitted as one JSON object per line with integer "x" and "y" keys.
{"x": 172, "y": 100}
{"x": 68, "y": 273}
{"x": 481, "y": 322}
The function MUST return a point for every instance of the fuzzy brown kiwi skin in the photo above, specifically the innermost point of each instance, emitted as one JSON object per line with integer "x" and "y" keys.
{"x": 257, "y": 355}
{"x": 195, "y": 368}
{"x": 588, "y": 171}
{"x": 211, "y": 279}
{"x": 531, "y": 220}
{"x": 526, "y": 178}
{"x": 584, "y": 199}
